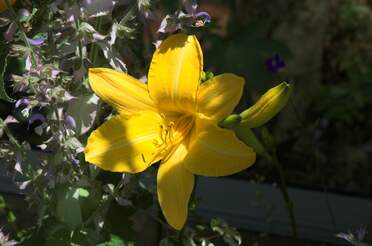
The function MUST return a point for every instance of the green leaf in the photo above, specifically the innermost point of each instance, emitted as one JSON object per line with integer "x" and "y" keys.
{"x": 3, "y": 65}
{"x": 68, "y": 208}
{"x": 116, "y": 241}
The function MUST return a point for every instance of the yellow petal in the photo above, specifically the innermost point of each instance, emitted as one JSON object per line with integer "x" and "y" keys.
{"x": 214, "y": 151}
{"x": 125, "y": 145}
{"x": 175, "y": 72}
{"x": 175, "y": 185}
{"x": 218, "y": 96}
{"x": 125, "y": 93}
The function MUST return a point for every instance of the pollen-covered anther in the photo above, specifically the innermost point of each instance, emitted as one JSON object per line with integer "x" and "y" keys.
{"x": 171, "y": 135}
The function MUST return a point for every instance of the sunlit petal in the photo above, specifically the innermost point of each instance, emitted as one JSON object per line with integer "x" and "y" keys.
{"x": 214, "y": 151}
{"x": 218, "y": 96}
{"x": 125, "y": 145}
{"x": 125, "y": 93}
{"x": 175, "y": 185}
{"x": 175, "y": 72}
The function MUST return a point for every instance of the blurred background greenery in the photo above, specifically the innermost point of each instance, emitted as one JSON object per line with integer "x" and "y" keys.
{"x": 323, "y": 137}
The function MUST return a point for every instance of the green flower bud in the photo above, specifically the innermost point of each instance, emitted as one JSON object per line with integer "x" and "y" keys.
{"x": 271, "y": 103}
{"x": 230, "y": 121}
{"x": 205, "y": 76}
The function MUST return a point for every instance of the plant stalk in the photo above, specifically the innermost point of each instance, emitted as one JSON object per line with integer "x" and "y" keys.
{"x": 287, "y": 199}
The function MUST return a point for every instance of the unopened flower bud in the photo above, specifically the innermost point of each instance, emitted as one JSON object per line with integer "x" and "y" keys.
{"x": 271, "y": 103}
{"x": 231, "y": 121}
{"x": 70, "y": 121}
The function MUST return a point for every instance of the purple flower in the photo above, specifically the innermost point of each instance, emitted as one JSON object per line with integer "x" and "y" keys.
{"x": 36, "y": 117}
{"x": 275, "y": 63}
{"x": 189, "y": 18}
{"x": 201, "y": 18}
{"x": 36, "y": 41}
{"x": 70, "y": 121}
{"x": 74, "y": 161}
{"x": 22, "y": 102}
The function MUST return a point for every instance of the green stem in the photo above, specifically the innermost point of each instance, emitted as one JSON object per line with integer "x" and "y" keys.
{"x": 94, "y": 52}
{"x": 287, "y": 199}
{"x": 10, "y": 217}
{"x": 248, "y": 137}
{"x": 80, "y": 44}
{"x": 23, "y": 34}
{"x": 10, "y": 135}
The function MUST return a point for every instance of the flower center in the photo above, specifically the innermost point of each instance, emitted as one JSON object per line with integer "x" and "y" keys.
{"x": 173, "y": 133}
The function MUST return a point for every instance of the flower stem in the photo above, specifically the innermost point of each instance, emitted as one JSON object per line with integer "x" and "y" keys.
{"x": 12, "y": 139}
{"x": 287, "y": 199}
{"x": 248, "y": 137}
{"x": 80, "y": 43}
{"x": 23, "y": 34}
{"x": 94, "y": 51}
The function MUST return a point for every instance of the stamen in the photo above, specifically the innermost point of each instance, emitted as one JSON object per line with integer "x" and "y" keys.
{"x": 171, "y": 136}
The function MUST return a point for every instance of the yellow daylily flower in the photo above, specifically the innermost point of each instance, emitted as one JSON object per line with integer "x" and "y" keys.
{"x": 174, "y": 120}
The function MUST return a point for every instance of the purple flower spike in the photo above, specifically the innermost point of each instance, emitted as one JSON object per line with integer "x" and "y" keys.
{"x": 22, "y": 102}
{"x": 70, "y": 121}
{"x": 37, "y": 117}
{"x": 275, "y": 63}
{"x": 36, "y": 41}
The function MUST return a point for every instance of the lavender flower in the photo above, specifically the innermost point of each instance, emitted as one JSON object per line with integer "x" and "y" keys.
{"x": 74, "y": 160}
{"x": 22, "y": 102}
{"x": 36, "y": 41}
{"x": 36, "y": 117}
{"x": 190, "y": 18}
{"x": 275, "y": 63}
{"x": 201, "y": 18}
{"x": 70, "y": 121}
